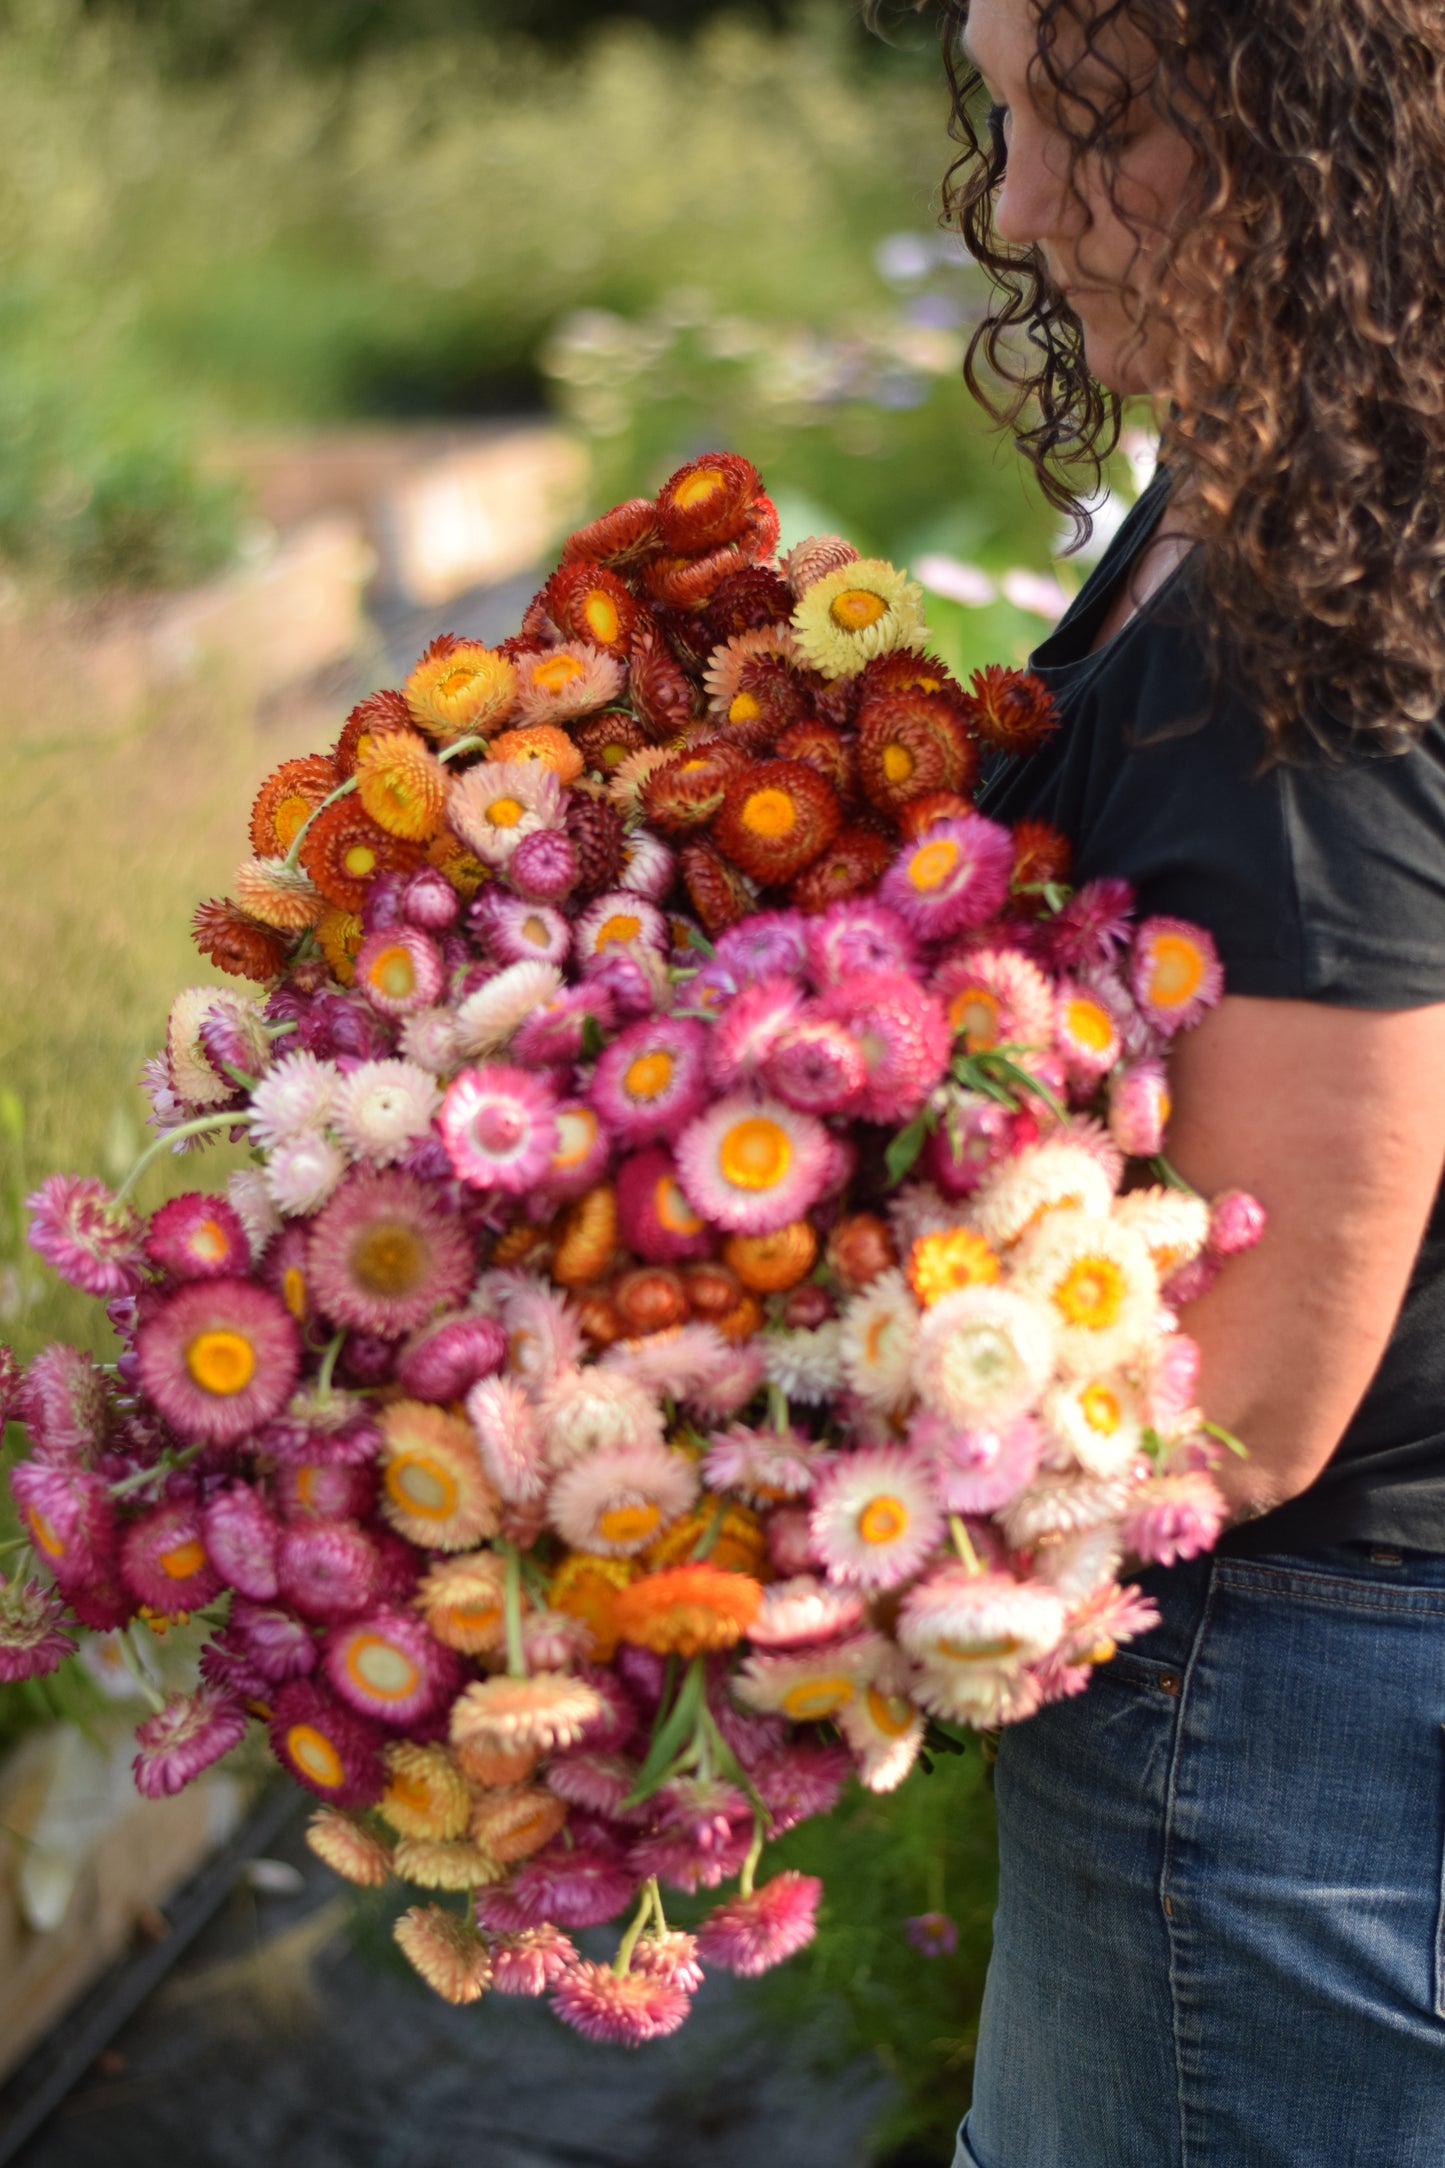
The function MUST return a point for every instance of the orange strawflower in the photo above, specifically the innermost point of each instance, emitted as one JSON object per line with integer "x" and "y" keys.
{"x": 942, "y": 1263}
{"x": 450, "y": 856}
{"x": 686, "y": 1610}
{"x": 345, "y": 850}
{"x": 460, "y": 686}
{"x": 738, "y": 1544}
{"x": 288, "y": 798}
{"x": 339, "y": 936}
{"x": 385, "y": 710}
{"x": 587, "y": 1586}
{"x": 544, "y": 743}
{"x": 770, "y": 1264}
{"x": 510, "y": 1824}
{"x": 402, "y": 784}
{"x": 236, "y": 943}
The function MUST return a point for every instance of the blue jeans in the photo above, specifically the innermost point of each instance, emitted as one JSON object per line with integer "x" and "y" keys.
{"x": 1220, "y": 1938}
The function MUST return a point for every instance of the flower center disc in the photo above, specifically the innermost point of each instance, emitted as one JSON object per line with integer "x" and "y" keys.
{"x": 1090, "y": 1025}
{"x": 293, "y": 1291}
{"x": 622, "y": 927}
{"x": 756, "y": 1154}
{"x": 576, "y": 1135}
{"x": 456, "y": 684}
{"x": 394, "y": 973}
{"x": 313, "y": 1752}
{"x": 360, "y": 861}
{"x": 931, "y": 865}
{"x": 600, "y": 612}
{"x": 745, "y": 708}
{"x": 648, "y": 1075}
{"x": 673, "y": 1209}
{"x": 389, "y": 1260}
{"x": 1177, "y": 968}
{"x": 498, "y": 1129}
{"x": 811, "y": 1699}
{"x": 421, "y": 1487}
{"x": 770, "y": 813}
{"x": 628, "y": 1524}
{"x": 290, "y": 814}
{"x": 479, "y": 1619}
{"x": 184, "y": 1559}
{"x": 534, "y": 930}
{"x": 898, "y": 763}
{"x": 381, "y": 1668}
{"x": 221, "y": 1362}
{"x": 208, "y": 1243}
{"x": 883, "y": 1520}
{"x": 1091, "y": 1293}
{"x": 1100, "y": 1409}
{"x": 889, "y": 1713}
{"x": 974, "y": 1012}
{"x": 556, "y": 672}
{"x": 857, "y": 608}
{"x": 504, "y": 812}
{"x": 964, "y": 1652}
{"x": 697, "y": 488}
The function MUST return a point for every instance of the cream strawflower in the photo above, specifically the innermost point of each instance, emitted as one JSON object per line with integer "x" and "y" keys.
{"x": 382, "y": 1107}
{"x": 983, "y": 1354}
{"x": 1048, "y": 1177}
{"x": 295, "y": 1096}
{"x": 862, "y": 609}
{"x": 1173, "y": 1224}
{"x": 428, "y": 1037}
{"x": 616, "y": 1502}
{"x": 498, "y": 802}
{"x": 547, "y": 1711}
{"x": 247, "y": 1191}
{"x": 883, "y": 1727}
{"x": 1077, "y": 1566}
{"x": 1057, "y": 1505}
{"x": 192, "y": 1077}
{"x": 1096, "y": 1421}
{"x": 957, "y": 1618}
{"x": 805, "y": 1365}
{"x": 484, "y": 1022}
{"x": 594, "y": 1410}
{"x": 1098, "y": 1280}
{"x": 302, "y": 1172}
{"x": 807, "y": 1685}
{"x": 878, "y": 1332}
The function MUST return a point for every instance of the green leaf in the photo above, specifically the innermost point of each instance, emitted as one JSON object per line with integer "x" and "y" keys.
{"x": 1225, "y": 1437}
{"x": 938, "y": 1739}
{"x": 698, "y": 940}
{"x": 591, "y": 1038}
{"x": 1161, "y": 1170}
{"x": 905, "y": 1148}
{"x": 674, "y": 1732}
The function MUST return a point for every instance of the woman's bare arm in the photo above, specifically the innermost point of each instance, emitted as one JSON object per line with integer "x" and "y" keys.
{"x": 1335, "y": 1119}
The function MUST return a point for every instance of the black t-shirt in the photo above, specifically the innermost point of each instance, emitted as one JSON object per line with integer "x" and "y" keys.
{"x": 1320, "y": 881}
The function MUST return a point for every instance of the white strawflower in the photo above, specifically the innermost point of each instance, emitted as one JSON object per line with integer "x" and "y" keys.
{"x": 1096, "y": 1276}
{"x": 247, "y": 1191}
{"x": 485, "y": 1021}
{"x": 1096, "y": 1421}
{"x": 1174, "y": 1226}
{"x": 1056, "y": 1505}
{"x": 882, "y": 1726}
{"x": 594, "y": 1410}
{"x": 382, "y": 1107}
{"x": 429, "y": 1038}
{"x": 1077, "y": 1566}
{"x": 1045, "y": 1178}
{"x": 192, "y": 1076}
{"x": 302, "y": 1172}
{"x": 295, "y": 1096}
{"x": 983, "y": 1355}
{"x": 806, "y": 1366}
{"x": 878, "y": 1332}
{"x": 648, "y": 866}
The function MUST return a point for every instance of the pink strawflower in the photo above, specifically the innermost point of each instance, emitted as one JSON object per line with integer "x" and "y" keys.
{"x": 197, "y": 1237}
{"x": 728, "y": 1385}
{"x": 544, "y": 867}
{"x": 707, "y": 1811}
{"x": 654, "y": 1218}
{"x": 68, "y": 1514}
{"x": 62, "y": 1400}
{"x": 975, "y": 1135}
{"x": 164, "y": 1562}
{"x": 752, "y": 1165}
{"x": 932, "y": 1934}
{"x": 328, "y": 1490}
{"x": 543, "y": 1335}
{"x": 1172, "y": 1517}
{"x": 582, "y": 1155}
{"x": 1092, "y": 925}
{"x": 327, "y": 1747}
{"x": 429, "y": 900}
{"x": 1087, "y": 1031}
{"x": 499, "y": 1125}
{"x": 747, "y": 1030}
{"x": 224, "y": 1664}
{"x": 649, "y": 867}
{"x": 388, "y": 1666}
{"x": 326, "y": 1569}
{"x": 1191, "y": 1280}
{"x": 1236, "y": 1222}
{"x": 218, "y": 1358}
{"x": 185, "y": 1737}
{"x": 617, "y": 1500}
{"x": 671, "y": 1957}
{"x": 876, "y": 1516}
{"x": 614, "y": 1724}
{"x": 531, "y": 1960}
{"x": 996, "y": 997}
{"x": 859, "y": 934}
{"x": 978, "y": 1470}
{"x": 616, "y": 923}
{"x": 446, "y": 1358}
{"x": 509, "y": 1439}
{"x": 764, "y": 945}
{"x": 278, "y": 1643}
{"x": 32, "y": 1641}
{"x": 598, "y": 1783}
{"x": 1175, "y": 973}
{"x": 399, "y": 970}
{"x": 902, "y": 1034}
{"x": 676, "y": 1859}
{"x": 816, "y": 1066}
{"x": 790, "y": 1540}
{"x": 955, "y": 874}
{"x": 763, "y": 1466}
{"x": 552, "y": 1037}
{"x": 518, "y": 933}
{"x": 800, "y": 1780}
{"x": 749, "y": 1935}
{"x": 384, "y": 1254}
{"x": 652, "y": 1080}
{"x": 1139, "y": 1108}
{"x": 84, "y": 1235}
{"x": 804, "y": 1609}
{"x": 582, "y": 1884}
{"x": 619, "y": 2012}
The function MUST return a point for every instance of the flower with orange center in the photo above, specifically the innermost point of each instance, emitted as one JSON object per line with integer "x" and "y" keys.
{"x": 547, "y": 1711}
{"x": 402, "y": 784}
{"x": 776, "y": 818}
{"x": 277, "y": 894}
{"x": 435, "y": 1491}
{"x": 1011, "y": 710}
{"x": 856, "y": 612}
{"x": 462, "y": 1601}
{"x": 588, "y": 603}
{"x": 386, "y": 710}
{"x": 345, "y": 851}
{"x": 586, "y": 1586}
{"x": 733, "y": 1539}
{"x": 910, "y": 745}
{"x": 770, "y": 1264}
{"x": 556, "y": 683}
{"x": 349, "y": 1848}
{"x": 851, "y": 865}
{"x": 1098, "y": 1278}
{"x": 286, "y": 801}
{"x": 1085, "y": 1033}
{"x": 542, "y": 742}
{"x": 448, "y": 1952}
{"x": 462, "y": 867}
{"x": 235, "y": 943}
{"x": 811, "y": 1685}
{"x": 688, "y": 1610}
{"x": 707, "y": 502}
{"x": 513, "y": 1824}
{"x": 751, "y": 1166}
{"x": 955, "y": 1258}
{"x": 459, "y": 688}
{"x": 426, "y": 1794}
{"x": 339, "y": 936}
{"x": 1175, "y": 973}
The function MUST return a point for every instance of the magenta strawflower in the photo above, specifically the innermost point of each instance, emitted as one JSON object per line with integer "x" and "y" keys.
{"x": 652, "y": 1080}
{"x": 518, "y": 933}
{"x": 619, "y": 2012}
{"x": 446, "y": 1358}
{"x": 748, "y": 1028}
{"x": 975, "y": 1134}
{"x": 654, "y": 1218}
{"x": 197, "y": 1237}
{"x": 1092, "y": 926}
{"x": 84, "y": 1235}
{"x": 859, "y": 934}
{"x": 62, "y": 1400}
{"x": 499, "y": 1126}
{"x": 956, "y": 874}
{"x": 69, "y": 1517}
{"x": 1172, "y": 1517}
{"x": 553, "y": 1036}
{"x": 327, "y": 1747}
{"x": 1236, "y": 1223}
{"x": 326, "y": 1569}
{"x": 429, "y": 900}
{"x": 544, "y": 866}
{"x": 978, "y": 1470}
{"x": 218, "y": 1358}
{"x": 185, "y": 1737}
{"x": 671, "y": 1957}
{"x": 799, "y": 1779}
{"x": 1139, "y": 1108}
{"x": 240, "y": 1534}
{"x": 817, "y": 1067}
{"x": 765, "y": 945}
{"x": 32, "y": 1641}
{"x": 582, "y": 1884}
{"x": 675, "y": 1858}
{"x": 598, "y": 1783}
{"x": 399, "y": 970}
{"x": 384, "y": 1254}
{"x": 388, "y": 1666}
{"x": 752, "y": 1165}
{"x": 327, "y": 1490}
{"x": 164, "y": 1562}
{"x": 1174, "y": 973}
{"x": 530, "y": 1960}
{"x": 749, "y": 1935}
{"x": 901, "y": 1032}
{"x": 275, "y": 1640}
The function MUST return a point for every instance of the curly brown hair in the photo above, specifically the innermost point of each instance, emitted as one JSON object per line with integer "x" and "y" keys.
{"x": 1305, "y": 292}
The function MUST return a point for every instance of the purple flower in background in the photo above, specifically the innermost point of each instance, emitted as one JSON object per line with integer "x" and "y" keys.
{"x": 932, "y": 1933}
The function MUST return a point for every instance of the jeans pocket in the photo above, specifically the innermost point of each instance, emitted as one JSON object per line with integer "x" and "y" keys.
{"x": 1141, "y": 1674}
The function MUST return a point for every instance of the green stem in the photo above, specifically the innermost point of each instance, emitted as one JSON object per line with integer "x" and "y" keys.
{"x": 166, "y": 1465}
{"x": 279, "y": 1031}
{"x": 293, "y": 857}
{"x": 963, "y": 1543}
{"x": 469, "y": 744}
{"x": 197, "y": 1127}
{"x": 657, "y": 1912}
{"x": 780, "y": 1415}
{"x": 1160, "y": 1168}
{"x": 328, "y": 1365}
{"x": 131, "y": 1659}
{"x": 622, "y": 1963}
{"x": 512, "y": 1611}
{"x": 755, "y": 1853}
{"x": 706, "y": 1543}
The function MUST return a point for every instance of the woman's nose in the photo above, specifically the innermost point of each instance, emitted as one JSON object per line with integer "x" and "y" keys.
{"x": 1032, "y": 205}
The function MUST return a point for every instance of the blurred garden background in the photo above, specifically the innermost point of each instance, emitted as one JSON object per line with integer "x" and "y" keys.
{"x": 245, "y": 245}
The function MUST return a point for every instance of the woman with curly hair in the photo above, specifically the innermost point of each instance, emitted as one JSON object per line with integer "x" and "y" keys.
{"x": 1221, "y": 1935}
